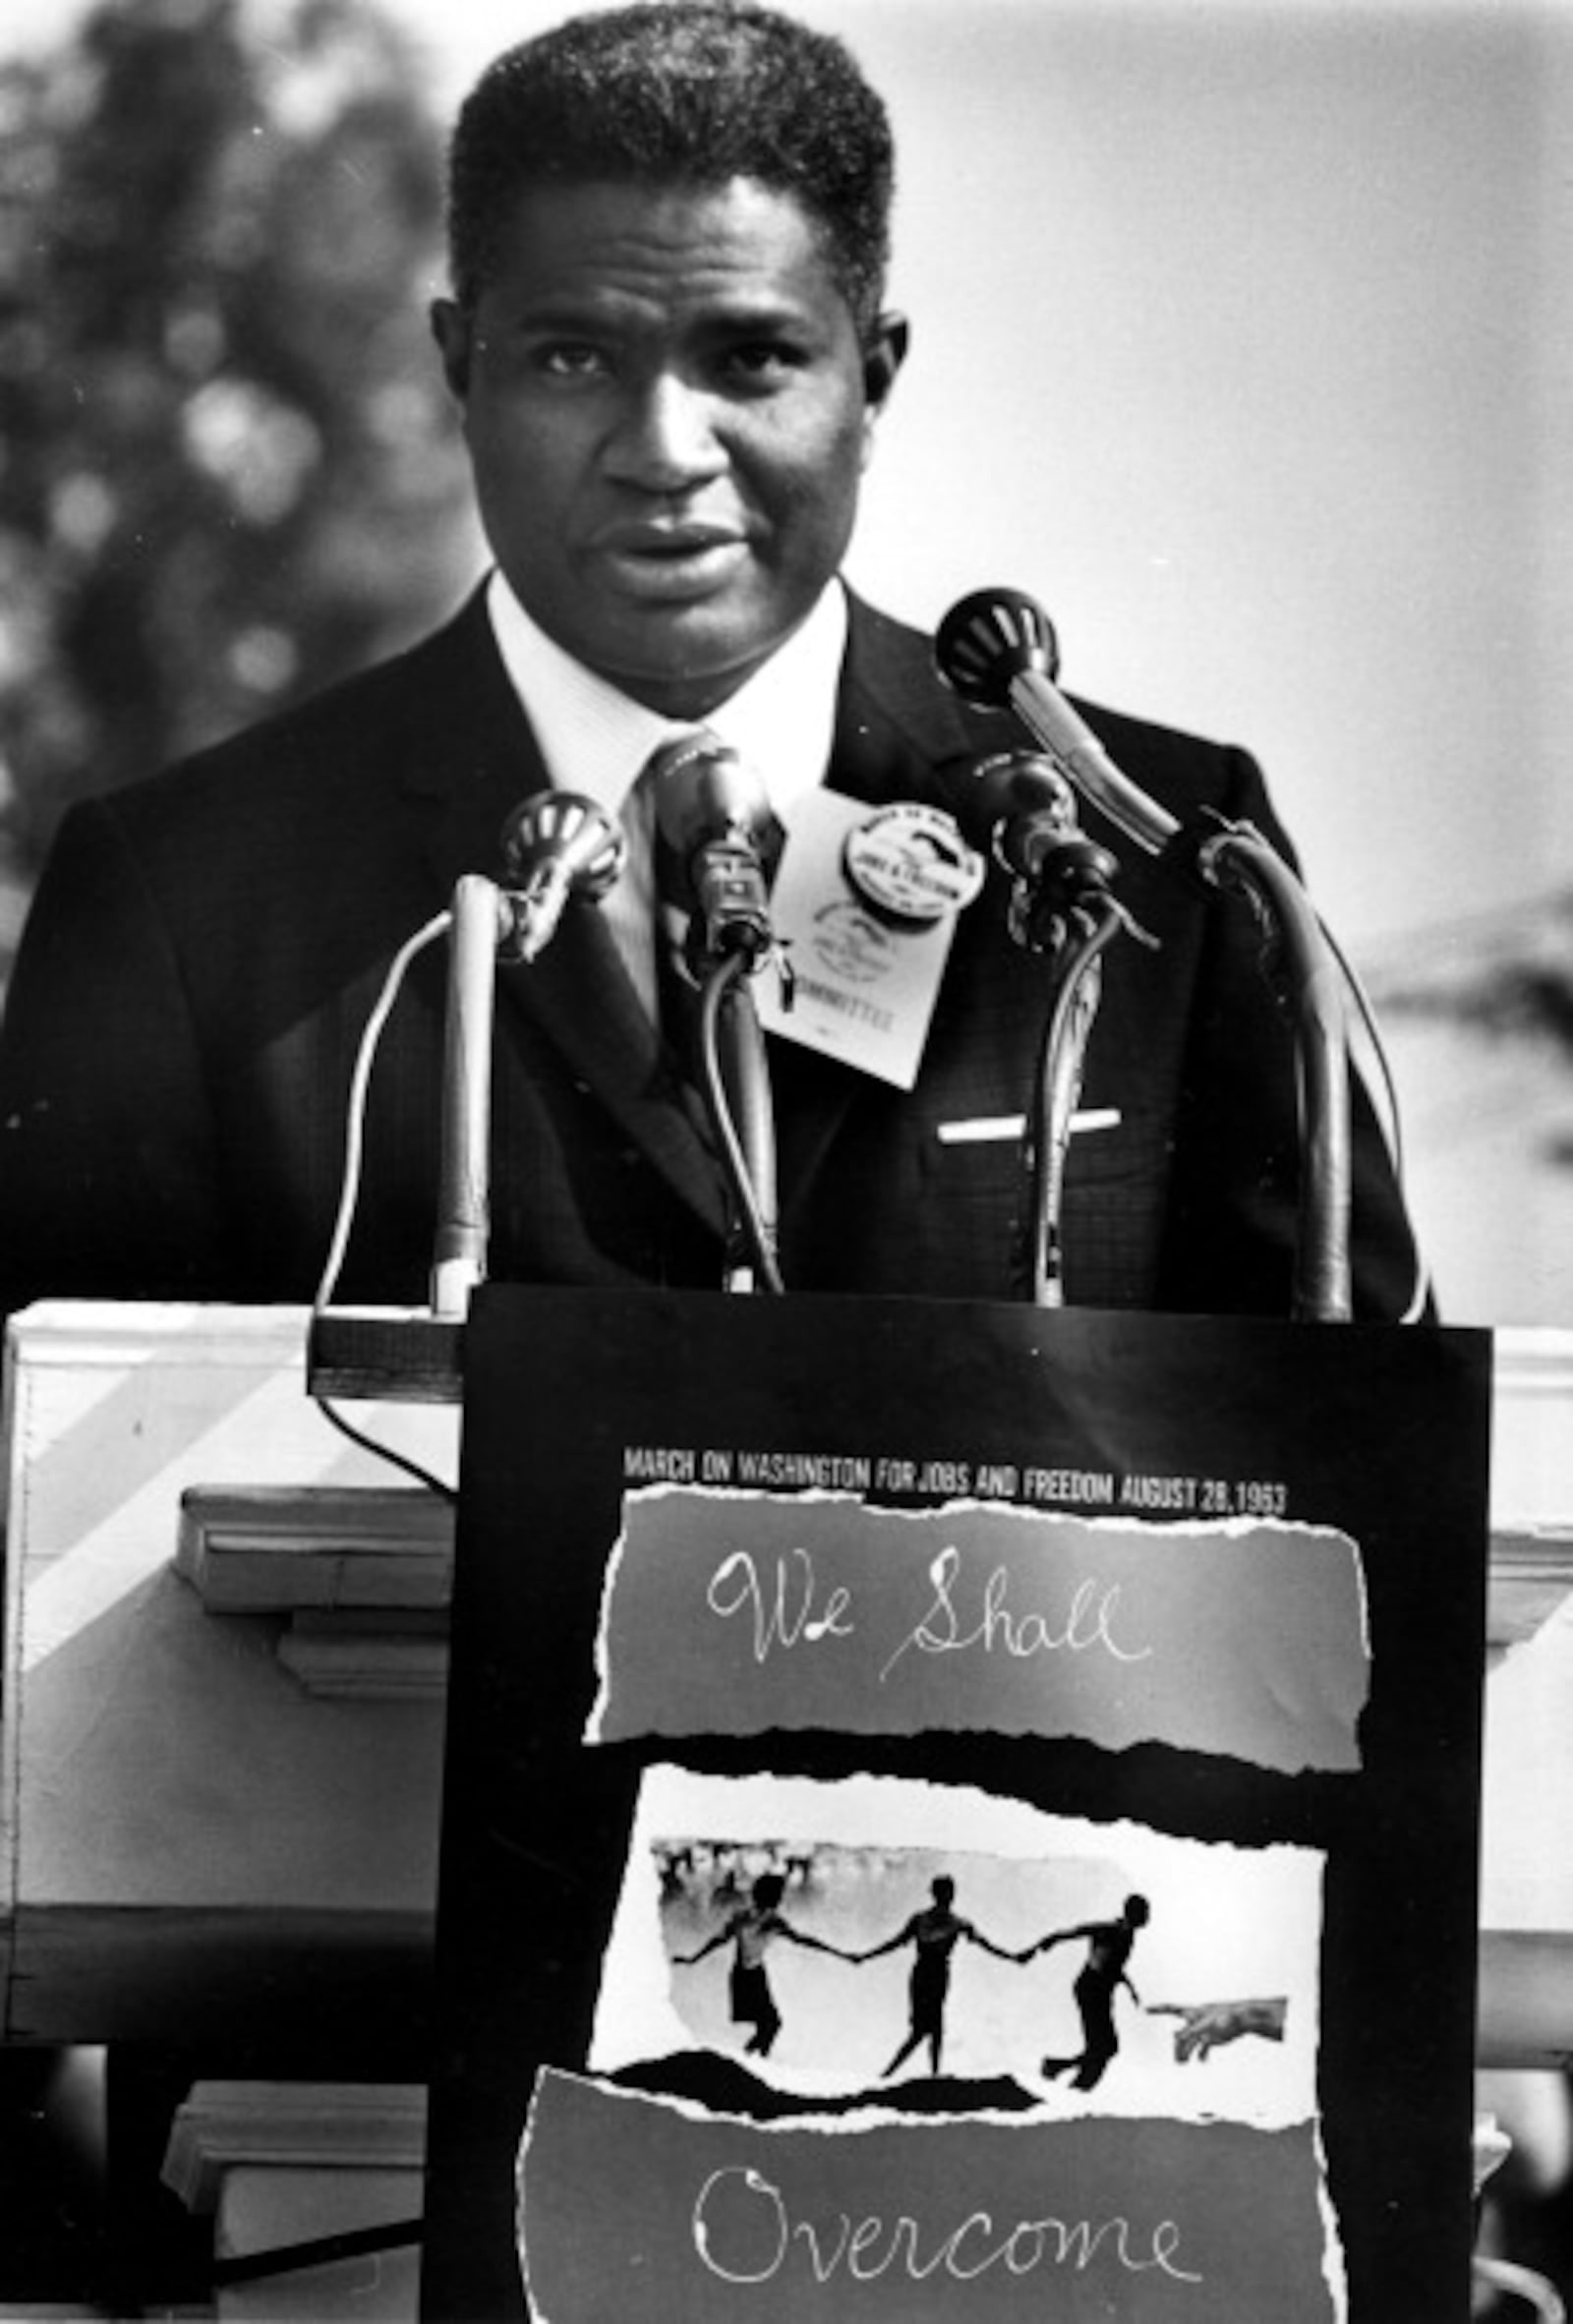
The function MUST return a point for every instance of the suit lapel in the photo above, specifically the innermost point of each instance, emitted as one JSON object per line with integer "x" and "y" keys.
{"x": 896, "y": 723}
{"x": 578, "y": 993}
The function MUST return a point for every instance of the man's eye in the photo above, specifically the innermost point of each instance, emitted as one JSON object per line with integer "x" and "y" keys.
{"x": 572, "y": 359}
{"x": 761, "y": 362}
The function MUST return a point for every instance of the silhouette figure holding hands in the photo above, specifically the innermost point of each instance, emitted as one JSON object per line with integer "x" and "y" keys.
{"x": 1109, "y": 1945}
{"x": 753, "y": 1928}
{"x": 935, "y": 1933}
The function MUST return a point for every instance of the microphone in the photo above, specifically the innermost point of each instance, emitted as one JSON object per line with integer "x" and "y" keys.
{"x": 555, "y": 843}
{"x": 997, "y": 648}
{"x": 1014, "y": 803}
{"x": 712, "y": 812}
{"x": 1020, "y": 807}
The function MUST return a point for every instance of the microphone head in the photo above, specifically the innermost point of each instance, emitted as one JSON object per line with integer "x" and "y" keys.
{"x": 566, "y": 829}
{"x": 1004, "y": 786}
{"x": 703, "y": 793}
{"x": 991, "y": 637}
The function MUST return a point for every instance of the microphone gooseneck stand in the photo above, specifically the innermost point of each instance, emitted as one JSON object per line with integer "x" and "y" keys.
{"x": 1298, "y": 963}
{"x": 1020, "y": 807}
{"x": 713, "y": 813}
{"x": 554, "y": 844}
{"x": 997, "y": 648}
{"x": 730, "y": 939}
{"x": 463, "y": 1204}
{"x": 1084, "y": 919}
{"x": 739, "y": 1103}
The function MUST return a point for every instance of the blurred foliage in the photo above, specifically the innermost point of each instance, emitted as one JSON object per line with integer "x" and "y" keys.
{"x": 229, "y": 469}
{"x": 1508, "y": 977}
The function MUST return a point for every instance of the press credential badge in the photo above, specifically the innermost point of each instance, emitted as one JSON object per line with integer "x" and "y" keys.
{"x": 865, "y": 902}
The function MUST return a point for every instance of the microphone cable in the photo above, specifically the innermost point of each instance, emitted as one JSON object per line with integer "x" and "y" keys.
{"x": 350, "y": 1192}
{"x": 713, "y": 991}
{"x": 1387, "y": 1114}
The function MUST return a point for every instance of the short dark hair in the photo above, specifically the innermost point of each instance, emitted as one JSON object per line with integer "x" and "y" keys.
{"x": 679, "y": 92}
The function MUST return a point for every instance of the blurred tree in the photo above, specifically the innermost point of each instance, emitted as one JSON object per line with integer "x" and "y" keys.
{"x": 228, "y": 471}
{"x": 1507, "y": 976}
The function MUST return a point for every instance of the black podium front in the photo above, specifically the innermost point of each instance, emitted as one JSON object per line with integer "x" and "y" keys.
{"x": 781, "y": 1624}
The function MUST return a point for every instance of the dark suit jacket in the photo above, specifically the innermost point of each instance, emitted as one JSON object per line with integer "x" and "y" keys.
{"x": 205, "y": 947}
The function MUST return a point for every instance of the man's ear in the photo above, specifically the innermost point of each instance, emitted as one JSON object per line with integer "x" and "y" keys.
{"x": 451, "y": 328}
{"x": 883, "y": 357}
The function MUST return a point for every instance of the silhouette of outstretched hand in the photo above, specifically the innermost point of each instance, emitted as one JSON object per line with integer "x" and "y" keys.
{"x": 1206, "y": 2025}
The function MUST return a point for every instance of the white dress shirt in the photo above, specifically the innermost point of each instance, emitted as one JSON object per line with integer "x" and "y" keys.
{"x": 597, "y": 740}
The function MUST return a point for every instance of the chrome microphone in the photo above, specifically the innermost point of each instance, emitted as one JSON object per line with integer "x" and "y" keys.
{"x": 703, "y": 793}
{"x": 713, "y": 814}
{"x": 555, "y": 843}
{"x": 998, "y": 648}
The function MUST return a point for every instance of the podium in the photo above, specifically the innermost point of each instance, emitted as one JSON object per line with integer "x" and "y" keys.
{"x": 1158, "y": 1637}
{"x": 297, "y": 1829}
{"x": 200, "y": 1845}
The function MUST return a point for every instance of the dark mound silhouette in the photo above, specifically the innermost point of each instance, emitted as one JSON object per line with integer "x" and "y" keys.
{"x": 725, "y": 2086}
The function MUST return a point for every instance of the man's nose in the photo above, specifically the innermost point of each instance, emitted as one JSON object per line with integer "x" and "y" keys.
{"x": 665, "y": 439}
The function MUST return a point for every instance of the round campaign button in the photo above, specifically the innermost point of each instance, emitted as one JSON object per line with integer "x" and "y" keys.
{"x": 910, "y": 862}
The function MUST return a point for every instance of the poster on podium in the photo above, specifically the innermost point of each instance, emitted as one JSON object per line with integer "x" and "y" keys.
{"x": 957, "y": 1812}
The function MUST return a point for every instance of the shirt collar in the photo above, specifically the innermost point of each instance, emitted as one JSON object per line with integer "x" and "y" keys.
{"x": 596, "y": 739}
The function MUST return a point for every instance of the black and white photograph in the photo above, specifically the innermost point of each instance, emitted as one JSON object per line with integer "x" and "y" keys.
{"x": 835, "y": 1943}
{"x": 783, "y": 819}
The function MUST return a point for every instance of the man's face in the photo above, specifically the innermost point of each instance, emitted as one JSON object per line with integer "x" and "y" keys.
{"x": 668, "y": 411}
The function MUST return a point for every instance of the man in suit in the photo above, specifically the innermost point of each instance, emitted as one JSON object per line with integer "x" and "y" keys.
{"x": 667, "y": 339}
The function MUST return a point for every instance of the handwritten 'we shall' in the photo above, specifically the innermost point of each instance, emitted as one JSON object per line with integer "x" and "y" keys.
{"x": 786, "y": 1607}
